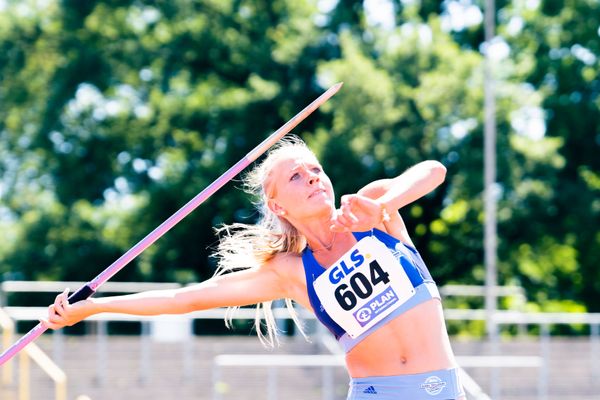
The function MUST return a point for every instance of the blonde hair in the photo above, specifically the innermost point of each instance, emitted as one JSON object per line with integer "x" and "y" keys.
{"x": 244, "y": 246}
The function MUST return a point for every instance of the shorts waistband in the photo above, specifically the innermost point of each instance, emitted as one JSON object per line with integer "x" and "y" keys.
{"x": 440, "y": 384}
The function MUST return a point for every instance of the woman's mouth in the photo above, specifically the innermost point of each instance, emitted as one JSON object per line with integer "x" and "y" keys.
{"x": 316, "y": 192}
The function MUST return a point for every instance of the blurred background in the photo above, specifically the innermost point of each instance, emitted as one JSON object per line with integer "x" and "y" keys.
{"x": 113, "y": 114}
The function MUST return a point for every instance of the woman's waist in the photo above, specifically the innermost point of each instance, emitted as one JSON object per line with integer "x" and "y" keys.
{"x": 413, "y": 342}
{"x": 392, "y": 362}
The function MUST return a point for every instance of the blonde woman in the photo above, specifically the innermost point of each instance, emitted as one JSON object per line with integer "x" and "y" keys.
{"x": 354, "y": 266}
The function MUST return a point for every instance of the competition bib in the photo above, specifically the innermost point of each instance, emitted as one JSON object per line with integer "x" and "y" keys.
{"x": 364, "y": 286}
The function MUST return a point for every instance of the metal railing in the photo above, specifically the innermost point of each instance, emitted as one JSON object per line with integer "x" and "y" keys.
{"x": 31, "y": 352}
{"x": 28, "y": 313}
{"x": 519, "y": 318}
{"x": 544, "y": 320}
{"x": 480, "y": 291}
{"x": 8, "y": 287}
{"x": 275, "y": 362}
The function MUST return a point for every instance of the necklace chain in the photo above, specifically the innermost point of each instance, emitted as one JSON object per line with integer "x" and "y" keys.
{"x": 328, "y": 246}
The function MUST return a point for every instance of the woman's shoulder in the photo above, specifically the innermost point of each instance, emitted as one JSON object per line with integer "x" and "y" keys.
{"x": 290, "y": 272}
{"x": 285, "y": 263}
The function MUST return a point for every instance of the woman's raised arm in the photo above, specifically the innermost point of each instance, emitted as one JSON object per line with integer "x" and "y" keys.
{"x": 379, "y": 201}
{"x": 409, "y": 186}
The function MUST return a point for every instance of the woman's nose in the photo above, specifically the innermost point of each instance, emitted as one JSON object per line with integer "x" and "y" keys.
{"x": 313, "y": 178}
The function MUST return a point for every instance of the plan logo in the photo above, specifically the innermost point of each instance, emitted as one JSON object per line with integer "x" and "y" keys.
{"x": 433, "y": 385}
{"x": 364, "y": 315}
{"x": 376, "y": 305}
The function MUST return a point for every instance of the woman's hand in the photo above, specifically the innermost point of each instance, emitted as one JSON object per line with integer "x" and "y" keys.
{"x": 358, "y": 213}
{"x": 61, "y": 313}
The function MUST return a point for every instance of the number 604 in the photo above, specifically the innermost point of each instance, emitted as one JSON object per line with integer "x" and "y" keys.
{"x": 360, "y": 286}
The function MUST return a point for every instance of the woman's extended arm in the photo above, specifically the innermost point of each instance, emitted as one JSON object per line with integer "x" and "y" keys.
{"x": 240, "y": 288}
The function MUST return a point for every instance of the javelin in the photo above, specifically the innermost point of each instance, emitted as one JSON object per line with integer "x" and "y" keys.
{"x": 92, "y": 286}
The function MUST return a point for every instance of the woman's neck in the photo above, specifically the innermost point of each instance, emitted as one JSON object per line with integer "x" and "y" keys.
{"x": 326, "y": 243}
{"x": 318, "y": 245}
{"x": 321, "y": 239}
{"x": 328, "y": 255}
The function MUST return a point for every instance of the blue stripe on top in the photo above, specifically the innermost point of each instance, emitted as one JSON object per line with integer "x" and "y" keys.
{"x": 409, "y": 259}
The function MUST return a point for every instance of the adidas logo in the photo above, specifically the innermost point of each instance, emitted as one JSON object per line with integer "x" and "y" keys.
{"x": 370, "y": 390}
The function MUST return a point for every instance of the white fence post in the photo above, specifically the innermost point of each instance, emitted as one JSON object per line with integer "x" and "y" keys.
{"x": 101, "y": 353}
{"x": 145, "y": 350}
{"x": 595, "y": 351}
{"x": 272, "y": 383}
{"x": 545, "y": 353}
{"x": 327, "y": 376}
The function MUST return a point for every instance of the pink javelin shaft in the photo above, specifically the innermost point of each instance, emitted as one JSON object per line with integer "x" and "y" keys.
{"x": 90, "y": 288}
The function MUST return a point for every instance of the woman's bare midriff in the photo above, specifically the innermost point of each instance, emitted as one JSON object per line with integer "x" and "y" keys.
{"x": 412, "y": 343}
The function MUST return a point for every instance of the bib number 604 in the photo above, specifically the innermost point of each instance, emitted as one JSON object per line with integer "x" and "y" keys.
{"x": 360, "y": 286}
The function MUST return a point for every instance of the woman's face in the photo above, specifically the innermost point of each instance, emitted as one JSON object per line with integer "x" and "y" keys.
{"x": 297, "y": 187}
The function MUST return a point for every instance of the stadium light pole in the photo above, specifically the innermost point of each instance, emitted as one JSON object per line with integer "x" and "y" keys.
{"x": 490, "y": 191}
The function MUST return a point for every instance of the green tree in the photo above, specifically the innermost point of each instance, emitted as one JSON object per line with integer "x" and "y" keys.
{"x": 562, "y": 36}
{"x": 113, "y": 114}
{"x": 122, "y": 105}
{"x": 549, "y": 214}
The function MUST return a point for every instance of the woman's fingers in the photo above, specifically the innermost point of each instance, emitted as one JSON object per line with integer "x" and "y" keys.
{"x": 337, "y": 227}
{"x": 49, "y": 325}
{"x": 347, "y": 212}
{"x": 61, "y": 302}
{"x": 54, "y": 320}
{"x": 344, "y": 218}
{"x": 57, "y": 312}
{"x": 59, "y": 299}
{"x": 355, "y": 213}
{"x": 339, "y": 223}
{"x": 61, "y": 313}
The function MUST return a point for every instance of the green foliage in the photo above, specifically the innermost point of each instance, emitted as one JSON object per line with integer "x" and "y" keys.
{"x": 562, "y": 36}
{"x": 113, "y": 114}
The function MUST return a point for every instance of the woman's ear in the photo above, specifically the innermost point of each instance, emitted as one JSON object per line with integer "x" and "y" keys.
{"x": 276, "y": 208}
